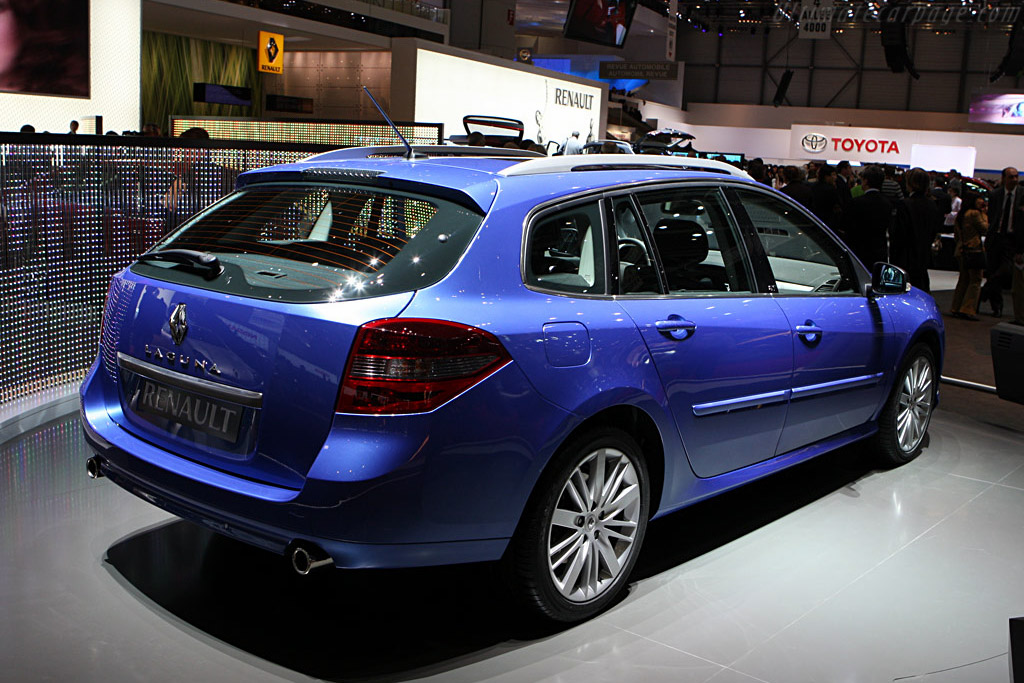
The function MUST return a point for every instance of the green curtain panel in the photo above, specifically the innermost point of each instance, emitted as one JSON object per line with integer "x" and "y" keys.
{"x": 171, "y": 64}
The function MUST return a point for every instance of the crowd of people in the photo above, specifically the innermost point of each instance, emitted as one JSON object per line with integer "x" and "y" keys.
{"x": 886, "y": 215}
{"x": 150, "y": 130}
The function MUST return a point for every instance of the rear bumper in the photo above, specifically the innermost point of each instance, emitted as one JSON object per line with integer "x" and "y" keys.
{"x": 281, "y": 524}
{"x": 455, "y": 498}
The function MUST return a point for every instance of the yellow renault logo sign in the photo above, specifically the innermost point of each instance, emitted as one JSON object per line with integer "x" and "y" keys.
{"x": 271, "y": 51}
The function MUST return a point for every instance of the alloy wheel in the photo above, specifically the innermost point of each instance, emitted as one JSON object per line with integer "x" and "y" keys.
{"x": 594, "y": 525}
{"x": 915, "y": 404}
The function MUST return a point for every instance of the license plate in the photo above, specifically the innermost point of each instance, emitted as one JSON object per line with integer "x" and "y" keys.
{"x": 210, "y": 416}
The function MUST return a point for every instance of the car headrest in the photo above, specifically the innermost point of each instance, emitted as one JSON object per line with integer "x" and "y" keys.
{"x": 681, "y": 242}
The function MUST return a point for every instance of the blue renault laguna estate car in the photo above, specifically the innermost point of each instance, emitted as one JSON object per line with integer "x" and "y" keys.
{"x": 370, "y": 359}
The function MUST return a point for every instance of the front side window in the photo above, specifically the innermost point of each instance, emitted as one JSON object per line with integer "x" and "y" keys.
{"x": 803, "y": 258}
{"x": 565, "y": 251}
{"x": 310, "y": 242}
{"x": 695, "y": 240}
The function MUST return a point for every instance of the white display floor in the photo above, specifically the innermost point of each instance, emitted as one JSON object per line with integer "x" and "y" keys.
{"x": 830, "y": 572}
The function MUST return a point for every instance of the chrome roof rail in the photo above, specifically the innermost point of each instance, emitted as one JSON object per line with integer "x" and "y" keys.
{"x": 624, "y": 162}
{"x": 426, "y": 150}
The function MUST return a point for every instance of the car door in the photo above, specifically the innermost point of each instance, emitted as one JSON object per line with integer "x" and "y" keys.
{"x": 839, "y": 336}
{"x": 723, "y": 353}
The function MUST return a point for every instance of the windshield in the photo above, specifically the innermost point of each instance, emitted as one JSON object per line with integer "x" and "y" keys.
{"x": 317, "y": 242}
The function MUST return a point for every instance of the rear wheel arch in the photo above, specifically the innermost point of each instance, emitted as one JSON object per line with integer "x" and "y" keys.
{"x": 638, "y": 424}
{"x": 583, "y": 526}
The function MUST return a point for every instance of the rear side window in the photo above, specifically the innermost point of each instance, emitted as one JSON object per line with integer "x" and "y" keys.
{"x": 565, "y": 251}
{"x": 310, "y": 243}
{"x": 697, "y": 243}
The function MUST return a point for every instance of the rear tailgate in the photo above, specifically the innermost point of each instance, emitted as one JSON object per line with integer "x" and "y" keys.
{"x": 244, "y": 386}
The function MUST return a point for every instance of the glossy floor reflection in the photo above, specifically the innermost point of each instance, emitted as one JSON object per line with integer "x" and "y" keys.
{"x": 829, "y": 572}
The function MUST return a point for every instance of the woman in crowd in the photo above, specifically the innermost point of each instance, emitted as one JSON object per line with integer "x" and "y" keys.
{"x": 970, "y": 226}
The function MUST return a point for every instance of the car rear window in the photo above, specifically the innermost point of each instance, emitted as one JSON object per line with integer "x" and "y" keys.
{"x": 320, "y": 242}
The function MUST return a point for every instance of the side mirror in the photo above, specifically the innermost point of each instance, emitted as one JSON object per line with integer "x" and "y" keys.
{"x": 888, "y": 279}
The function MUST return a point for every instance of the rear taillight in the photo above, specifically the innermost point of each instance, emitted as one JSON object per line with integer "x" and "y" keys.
{"x": 413, "y": 366}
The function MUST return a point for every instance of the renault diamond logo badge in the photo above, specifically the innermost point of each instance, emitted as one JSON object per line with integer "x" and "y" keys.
{"x": 272, "y": 49}
{"x": 179, "y": 325}
{"x": 813, "y": 142}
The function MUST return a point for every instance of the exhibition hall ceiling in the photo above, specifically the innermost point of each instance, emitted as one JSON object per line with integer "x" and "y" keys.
{"x": 546, "y": 17}
{"x": 236, "y": 24}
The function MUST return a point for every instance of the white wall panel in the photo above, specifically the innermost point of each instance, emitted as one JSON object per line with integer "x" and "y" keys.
{"x": 114, "y": 59}
{"x": 551, "y": 105}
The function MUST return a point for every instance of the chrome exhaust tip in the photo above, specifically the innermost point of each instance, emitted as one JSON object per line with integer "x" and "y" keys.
{"x": 94, "y": 467}
{"x": 307, "y": 558}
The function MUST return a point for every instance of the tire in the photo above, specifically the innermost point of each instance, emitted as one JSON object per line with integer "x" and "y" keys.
{"x": 904, "y": 420}
{"x": 575, "y": 547}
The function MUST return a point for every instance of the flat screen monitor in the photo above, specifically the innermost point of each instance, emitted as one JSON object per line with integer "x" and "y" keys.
{"x": 997, "y": 108}
{"x": 605, "y": 22}
{"x": 44, "y": 47}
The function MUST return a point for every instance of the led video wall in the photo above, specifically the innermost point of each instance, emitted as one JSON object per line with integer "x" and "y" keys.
{"x": 335, "y": 133}
{"x": 74, "y": 214}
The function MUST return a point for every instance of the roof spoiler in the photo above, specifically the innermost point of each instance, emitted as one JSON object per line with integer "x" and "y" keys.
{"x": 427, "y": 150}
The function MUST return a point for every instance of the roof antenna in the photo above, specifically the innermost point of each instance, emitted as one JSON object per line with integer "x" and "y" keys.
{"x": 409, "y": 153}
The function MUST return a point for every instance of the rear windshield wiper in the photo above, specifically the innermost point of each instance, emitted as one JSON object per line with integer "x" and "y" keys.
{"x": 200, "y": 262}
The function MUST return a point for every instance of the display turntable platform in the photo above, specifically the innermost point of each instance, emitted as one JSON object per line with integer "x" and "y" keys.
{"x": 832, "y": 571}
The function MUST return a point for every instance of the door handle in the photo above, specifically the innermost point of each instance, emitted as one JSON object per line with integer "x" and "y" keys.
{"x": 809, "y": 332}
{"x": 676, "y": 327}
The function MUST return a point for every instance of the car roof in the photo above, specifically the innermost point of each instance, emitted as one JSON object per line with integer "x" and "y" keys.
{"x": 473, "y": 176}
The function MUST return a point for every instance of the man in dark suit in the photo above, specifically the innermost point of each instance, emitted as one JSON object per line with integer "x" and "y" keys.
{"x": 796, "y": 187}
{"x": 1005, "y": 232}
{"x": 868, "y": 218}
{"x": 844, "y": 182}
